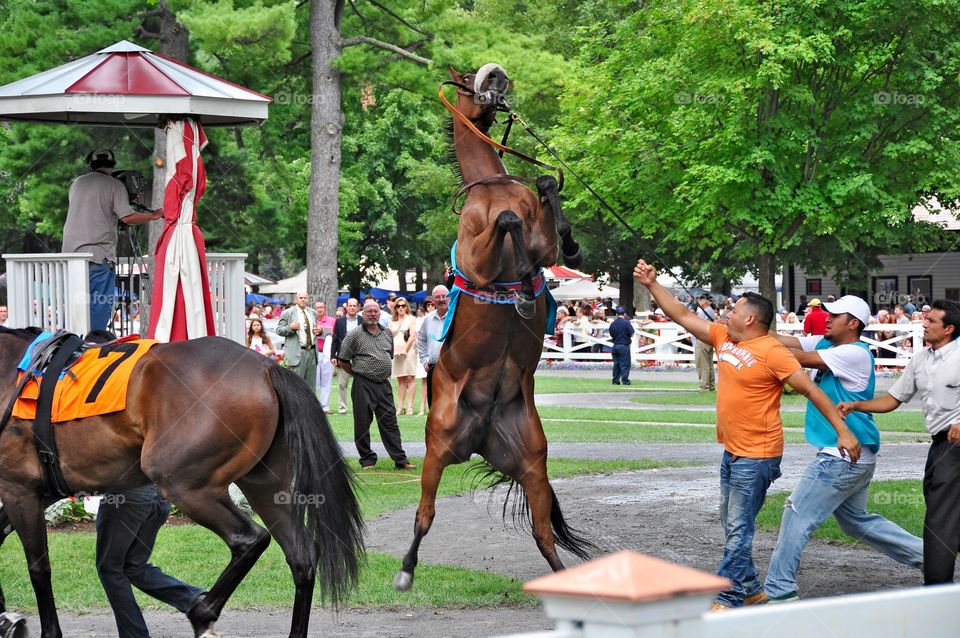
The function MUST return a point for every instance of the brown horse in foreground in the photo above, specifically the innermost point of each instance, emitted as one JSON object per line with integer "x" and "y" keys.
{"x": 482, "y": 387}
{"x": 200, "y": 415}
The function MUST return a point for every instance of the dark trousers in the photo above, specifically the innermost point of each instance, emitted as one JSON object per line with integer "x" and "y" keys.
{"x": 375, "y": 398}
{"x": 621, "y": 363}
{"x": 430, "y": 385}
{"x": 941, "y": 525}
{"x": 127, "y": 526}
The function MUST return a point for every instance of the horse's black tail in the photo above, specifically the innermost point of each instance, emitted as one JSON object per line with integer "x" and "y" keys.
{"x": 323, "y": 502}
{"x": 567, "y": 537}
{"x": 517, "y": 507}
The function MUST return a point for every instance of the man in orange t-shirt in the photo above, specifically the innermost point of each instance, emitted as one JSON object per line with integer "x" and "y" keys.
{"x": 752, "y": 368}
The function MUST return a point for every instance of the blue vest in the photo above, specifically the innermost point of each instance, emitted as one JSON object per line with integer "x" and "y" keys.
{"x": 819, "y": 431}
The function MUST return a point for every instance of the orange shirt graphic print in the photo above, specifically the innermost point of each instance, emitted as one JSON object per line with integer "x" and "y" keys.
{"x": 750, "y": 381}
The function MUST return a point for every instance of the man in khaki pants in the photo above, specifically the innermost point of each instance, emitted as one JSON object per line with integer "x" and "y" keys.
{"x": 702, "y": 351}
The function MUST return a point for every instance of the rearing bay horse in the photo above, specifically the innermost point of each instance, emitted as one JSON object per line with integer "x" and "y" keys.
{"x": 200, "y": 415}
{"x": 482, "y": 387}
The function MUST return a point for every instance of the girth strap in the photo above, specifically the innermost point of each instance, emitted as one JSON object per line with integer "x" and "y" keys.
{"x": 53, "y": 482}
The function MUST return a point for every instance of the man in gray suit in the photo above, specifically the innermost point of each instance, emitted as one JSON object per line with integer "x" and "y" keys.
{"x": 299, "y": 329}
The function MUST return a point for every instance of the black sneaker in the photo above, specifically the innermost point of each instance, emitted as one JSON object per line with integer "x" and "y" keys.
{"x": 615, "y": 382}
{"x": 626, "y": 383}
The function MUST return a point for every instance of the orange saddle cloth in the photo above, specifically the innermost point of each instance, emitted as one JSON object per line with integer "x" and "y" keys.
{"x": 95, "y": 384}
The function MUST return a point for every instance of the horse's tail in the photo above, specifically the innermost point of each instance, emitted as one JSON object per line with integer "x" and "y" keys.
{"x": 567, "y": 537}
{"x": 323, "y": 502}
{"x": 517, "y": 507}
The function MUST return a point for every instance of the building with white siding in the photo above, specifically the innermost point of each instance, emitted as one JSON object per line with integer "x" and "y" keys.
{"x": 920, "y": 276}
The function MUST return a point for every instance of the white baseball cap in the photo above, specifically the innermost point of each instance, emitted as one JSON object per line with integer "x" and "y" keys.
{"x": 852, "y": 305}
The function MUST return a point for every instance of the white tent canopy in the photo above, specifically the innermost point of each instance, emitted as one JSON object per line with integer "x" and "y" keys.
{"x": 287, "y": 287}
{"x": 584, "y": 289}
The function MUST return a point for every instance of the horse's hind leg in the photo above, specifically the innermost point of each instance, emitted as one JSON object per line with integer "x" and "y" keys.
{"x": 262, "y": 493}
{"x": 509, "y": 223}
{"x": 549, "y": 197}
{"x": 433, "y": 466}
{"x": 246, "y": 540}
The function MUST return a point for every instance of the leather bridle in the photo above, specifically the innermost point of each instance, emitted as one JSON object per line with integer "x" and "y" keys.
{"x": 502, "y": 147}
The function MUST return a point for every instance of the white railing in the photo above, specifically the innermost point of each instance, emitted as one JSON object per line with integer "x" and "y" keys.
{"x": 670, "y": 343}
{"x": 225, "y": 273}
{"x": 51, "y": 290}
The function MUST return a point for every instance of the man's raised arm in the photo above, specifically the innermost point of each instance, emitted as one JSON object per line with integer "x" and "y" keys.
{"x": 647, "y": 275}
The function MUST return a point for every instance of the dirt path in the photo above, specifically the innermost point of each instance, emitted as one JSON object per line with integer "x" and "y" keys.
{"x": 669, "y": 513}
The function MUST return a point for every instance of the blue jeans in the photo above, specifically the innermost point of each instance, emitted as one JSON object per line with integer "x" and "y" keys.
{"x": 834, "y": 486}
{"x": 743, "y": 488}
{"x": 621, "y": 363}
{"x": 127, "y": 526}
{"x": 103, "y": 288}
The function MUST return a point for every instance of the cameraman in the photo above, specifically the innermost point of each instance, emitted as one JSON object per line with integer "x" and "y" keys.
{"x": 97, "y": 202}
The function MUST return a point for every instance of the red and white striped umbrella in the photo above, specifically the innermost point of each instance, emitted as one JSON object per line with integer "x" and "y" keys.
{"x": 182, "y": 308}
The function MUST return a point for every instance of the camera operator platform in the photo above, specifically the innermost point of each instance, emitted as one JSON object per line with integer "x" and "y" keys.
{"x": 98, "y": 201}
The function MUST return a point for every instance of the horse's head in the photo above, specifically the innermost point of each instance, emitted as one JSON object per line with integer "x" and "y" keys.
{"x": 482, "y": 94}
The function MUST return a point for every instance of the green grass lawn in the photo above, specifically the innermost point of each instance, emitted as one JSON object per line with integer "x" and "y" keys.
{"x": 607, "y": 425}
{"x": 197, "y": 556}
{"x": 695, "y": 397}
{"x": 900, "y": 501}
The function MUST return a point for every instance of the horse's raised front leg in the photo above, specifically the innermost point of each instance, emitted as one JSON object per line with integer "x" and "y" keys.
{"x": 12, "y": 624}
{"x": 25, "y": 512}
{"x": 509, "y": 223}
{"x": 549, "y": 197}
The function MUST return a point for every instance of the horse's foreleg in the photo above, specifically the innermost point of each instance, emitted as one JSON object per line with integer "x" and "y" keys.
{"x": 26, "y": 516}
{"x": 433, "y": 466}
{"x": 12, "y": 625}
{"x": 246, "y": 540}
{"x": 549, "y": 197}
{"x": 509, "y": 223}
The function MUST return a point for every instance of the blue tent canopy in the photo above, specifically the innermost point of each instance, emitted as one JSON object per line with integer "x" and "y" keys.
{"x": 253, "y": 297}
{"x": 380, "y": 294}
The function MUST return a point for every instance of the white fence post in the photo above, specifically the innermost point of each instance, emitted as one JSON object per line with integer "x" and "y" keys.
{"x": 49, "y": 290}
{"x": 225, "y": 273}
{"x": 629, "y": 595}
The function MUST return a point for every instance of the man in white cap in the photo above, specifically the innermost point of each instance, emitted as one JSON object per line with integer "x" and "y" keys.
{"x": 832, "y": 483}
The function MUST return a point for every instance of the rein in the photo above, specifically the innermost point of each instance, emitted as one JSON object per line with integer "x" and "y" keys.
{"x": 463, "y": 90}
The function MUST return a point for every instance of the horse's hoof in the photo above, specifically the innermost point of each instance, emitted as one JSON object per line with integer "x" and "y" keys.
{"x": 526, "y": 308}
{"x": 574, "y": 260}
{"x": 13, "y": 625}
{"x": 403, "y": 581}
{"x": 210, "y": 633}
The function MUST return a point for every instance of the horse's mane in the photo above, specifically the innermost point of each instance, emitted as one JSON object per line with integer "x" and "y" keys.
{"x": 26, "y": 334}
{"x": 451, "y": 153}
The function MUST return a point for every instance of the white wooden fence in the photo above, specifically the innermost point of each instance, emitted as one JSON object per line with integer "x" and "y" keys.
{"x": 51, "y": 290}
{"x": 669, "y": 343}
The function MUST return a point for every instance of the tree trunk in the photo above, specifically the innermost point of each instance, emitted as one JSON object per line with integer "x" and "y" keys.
{"x": 174, "y": 43}
{"x": 626, "y": 286}
{"x": 767, "y": 276}
{"x": 327, "y": 124}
